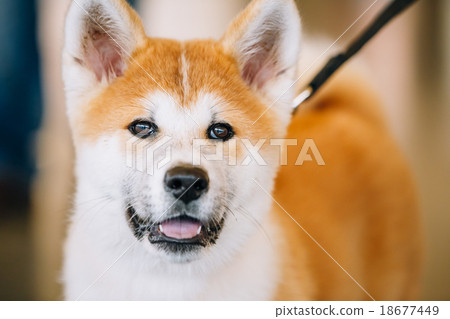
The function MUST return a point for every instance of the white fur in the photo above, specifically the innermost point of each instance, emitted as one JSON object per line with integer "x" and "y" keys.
{"x": 184, "y": 73}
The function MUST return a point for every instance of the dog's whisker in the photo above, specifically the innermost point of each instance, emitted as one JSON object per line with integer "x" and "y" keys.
{"x": 255, "y": 222}
{"x": 88, "y": 212}
{"x": 92, "y": 213}
{"x": 89, "y": 201}
{"x": 227, "y": 209}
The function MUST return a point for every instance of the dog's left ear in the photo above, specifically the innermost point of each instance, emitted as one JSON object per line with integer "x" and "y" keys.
{"x": 265, "y": 40}
{"x": 100, "y": 37}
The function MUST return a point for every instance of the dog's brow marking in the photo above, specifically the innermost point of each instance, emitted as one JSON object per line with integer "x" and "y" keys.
{"x": 314, "y": 62}
{"x": 134, "y": 243}
{"x": 316, "y": 242}
{"x": 184, "y": 74}
{"x": 133, "y": 59}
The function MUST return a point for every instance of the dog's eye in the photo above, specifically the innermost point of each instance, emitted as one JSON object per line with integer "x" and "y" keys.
{"x": 220, "y": 131}
{"x": 142, "y": 129}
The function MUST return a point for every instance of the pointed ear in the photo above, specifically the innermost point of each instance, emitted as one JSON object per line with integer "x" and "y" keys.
{"x": 100, "y": 36}
{"x": 265, "y": 40}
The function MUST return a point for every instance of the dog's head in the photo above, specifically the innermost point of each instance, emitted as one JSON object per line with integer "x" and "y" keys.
{"x": 179, "y": 133}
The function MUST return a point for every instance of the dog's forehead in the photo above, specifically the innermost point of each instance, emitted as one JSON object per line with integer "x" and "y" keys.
{"x": 185, "y": 70}
{"x": 193, "y": 86}
{"x": 174, "y": 117}
{"x": 173, "y": 82}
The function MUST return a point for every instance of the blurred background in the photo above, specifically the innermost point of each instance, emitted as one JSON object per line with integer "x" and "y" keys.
{"x": 408, "y": 62}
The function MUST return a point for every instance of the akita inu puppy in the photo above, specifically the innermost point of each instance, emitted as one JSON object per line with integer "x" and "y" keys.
{"x": 240, "y": 221}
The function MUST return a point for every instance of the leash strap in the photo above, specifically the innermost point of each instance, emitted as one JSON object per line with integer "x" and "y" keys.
{"x": 337, "y": 61}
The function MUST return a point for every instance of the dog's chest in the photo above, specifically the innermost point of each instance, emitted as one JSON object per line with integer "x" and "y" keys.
{"x": 254, "y": 275}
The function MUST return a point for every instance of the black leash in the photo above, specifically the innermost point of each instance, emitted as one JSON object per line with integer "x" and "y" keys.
{"x": 337, "y": 61}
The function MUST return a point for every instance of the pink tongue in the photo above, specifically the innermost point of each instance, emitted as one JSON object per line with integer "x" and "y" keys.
{"x": 180, "y": 228}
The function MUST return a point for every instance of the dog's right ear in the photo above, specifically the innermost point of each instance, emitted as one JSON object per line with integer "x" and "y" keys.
{"x": 265, "y": 40}
{"x": 100, "y": 36}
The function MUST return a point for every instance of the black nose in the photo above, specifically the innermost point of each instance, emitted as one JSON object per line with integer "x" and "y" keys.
{"x": 186, "y": 182}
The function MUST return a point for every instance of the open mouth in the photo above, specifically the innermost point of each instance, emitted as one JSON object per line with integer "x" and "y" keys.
{"x": 177, "y": 234}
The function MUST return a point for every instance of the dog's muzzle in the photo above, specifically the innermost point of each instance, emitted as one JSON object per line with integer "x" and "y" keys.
{"x": 180, "y": 232}
{"x": 176, "y": 234}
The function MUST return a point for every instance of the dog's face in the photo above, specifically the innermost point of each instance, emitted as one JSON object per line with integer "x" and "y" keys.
{"x": 179, "y": 133}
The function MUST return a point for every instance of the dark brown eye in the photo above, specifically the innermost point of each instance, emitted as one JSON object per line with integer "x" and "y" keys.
{"x": 143, "y": 129}
{"x": 220, "y": 131}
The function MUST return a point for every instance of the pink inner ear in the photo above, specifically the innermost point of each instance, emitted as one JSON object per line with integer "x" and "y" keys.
{"x": 261, "y": 60}
{"x": 258, "y": 70}
{"x": 104, "y": 56}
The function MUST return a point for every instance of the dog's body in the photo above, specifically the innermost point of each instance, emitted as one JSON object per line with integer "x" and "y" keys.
{"x": 346, "y": 230}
